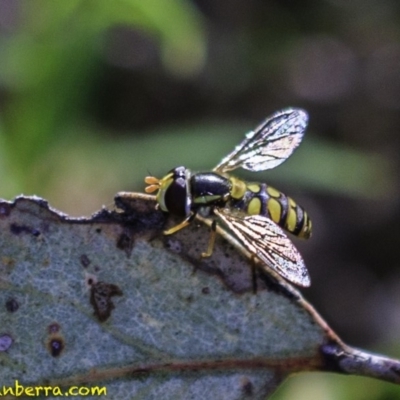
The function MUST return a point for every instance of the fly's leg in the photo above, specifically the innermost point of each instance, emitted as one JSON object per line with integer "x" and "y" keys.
{"x": 210, "y": 249}
{"x": 211, "y": 242}
{"x": 182, "y": 225}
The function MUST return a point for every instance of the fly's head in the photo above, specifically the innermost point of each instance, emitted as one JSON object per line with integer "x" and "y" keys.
{"x": 173, "y": 191}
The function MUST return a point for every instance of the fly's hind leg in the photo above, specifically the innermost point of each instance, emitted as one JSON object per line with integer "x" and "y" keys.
{"x": 182, "y": 225}
{"x": 211, "y": 242}
{"x": 210, "y": 249}
{"x": 253, "y": 273}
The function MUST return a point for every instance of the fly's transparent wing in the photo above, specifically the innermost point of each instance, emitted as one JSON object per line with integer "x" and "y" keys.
{"x": 270, "y": 144}
{"x": 263, "y": 238}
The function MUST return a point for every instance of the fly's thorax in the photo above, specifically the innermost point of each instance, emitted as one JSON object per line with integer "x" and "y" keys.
{"x": 174, "y": 192}
{"x": 209, "y": 188}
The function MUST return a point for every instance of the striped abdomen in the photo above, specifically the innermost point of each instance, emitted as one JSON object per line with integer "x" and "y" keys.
{"x": 262, "y": 199}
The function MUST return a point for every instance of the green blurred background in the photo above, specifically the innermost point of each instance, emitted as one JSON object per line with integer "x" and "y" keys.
{"x": 96, "y": 94}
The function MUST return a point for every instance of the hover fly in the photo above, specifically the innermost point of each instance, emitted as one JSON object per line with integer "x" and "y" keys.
{"x": 254, "y": 212}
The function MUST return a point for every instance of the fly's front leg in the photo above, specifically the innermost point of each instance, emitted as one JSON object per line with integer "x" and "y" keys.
{"x": 182, "y": 225}
{"x": 211, "y": 242}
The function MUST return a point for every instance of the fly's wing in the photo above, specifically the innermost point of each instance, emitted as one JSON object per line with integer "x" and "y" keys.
{"x": 270, "y": 144}
{"x": 265, "y": 239}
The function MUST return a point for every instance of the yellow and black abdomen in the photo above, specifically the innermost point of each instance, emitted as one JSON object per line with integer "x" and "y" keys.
{"x": 262, "y": 199}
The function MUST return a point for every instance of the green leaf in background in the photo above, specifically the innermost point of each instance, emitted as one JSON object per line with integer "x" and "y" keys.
{"x": 51, "y": 62}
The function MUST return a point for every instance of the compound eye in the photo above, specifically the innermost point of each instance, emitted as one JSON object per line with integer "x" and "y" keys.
{"x": 176, "y": 197}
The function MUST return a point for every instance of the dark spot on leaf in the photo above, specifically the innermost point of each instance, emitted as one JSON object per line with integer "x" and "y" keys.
{"x": 90, "y": 280}
{"x": 125, "y": 243}
{"x": 247, "y": 387}
{"x": 174, "y": 245}
{"x": 12, "y": 305}
{"x": 18, "y": 229}
{"x": 205, "y": 290}
{"x": 55, "y": 345}
{"x": 5, "y": 210}
{"x": 189, "y": 298}
{"x": 53, "y": 328}
{"x": 85, "y": 260}
{"x": 100, "y": 299}
{"x": 5, "y": 342}
{"x": 137, "y": 218}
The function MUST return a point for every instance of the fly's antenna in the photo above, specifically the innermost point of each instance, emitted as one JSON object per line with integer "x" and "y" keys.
{"x": 154, "y": 184}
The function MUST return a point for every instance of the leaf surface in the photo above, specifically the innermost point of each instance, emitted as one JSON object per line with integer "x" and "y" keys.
{"x": 111, "y": 301}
